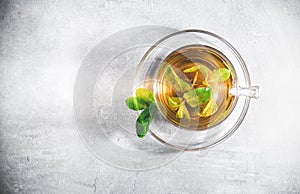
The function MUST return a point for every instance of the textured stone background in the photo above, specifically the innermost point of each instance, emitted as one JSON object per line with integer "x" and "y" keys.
{"x": 42, "y": 44}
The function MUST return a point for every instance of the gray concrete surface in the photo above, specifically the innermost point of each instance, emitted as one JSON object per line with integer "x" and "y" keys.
{"x": 43, "y": 43}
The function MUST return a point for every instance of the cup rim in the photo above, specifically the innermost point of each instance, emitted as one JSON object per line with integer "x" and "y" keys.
{"x": 246, "y": 79}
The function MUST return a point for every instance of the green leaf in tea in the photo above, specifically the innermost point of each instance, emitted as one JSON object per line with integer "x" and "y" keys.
{"x": 183, "y": 112}
{"x": 176, "y": 82}
{"x": 191, "y": 98}
{"x": 198, "y": 96}
{"x": 220, "y": 75}
{"x": 144, "y": 95}
{"x": 179, "y": 113}
{"x": 174, "y": 102}
{"x": 203, "y": 69}
{"x": 186, "y": 113}
{"x": 210, "y": 108}
{"x": 204, "y": 94}
{"x": 135, "y": 104}
{"x": 144, "y": 120}
{"x": 191, "y": 69}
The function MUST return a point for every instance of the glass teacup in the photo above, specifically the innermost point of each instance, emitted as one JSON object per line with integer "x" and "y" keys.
{"x": 220, "y": 114}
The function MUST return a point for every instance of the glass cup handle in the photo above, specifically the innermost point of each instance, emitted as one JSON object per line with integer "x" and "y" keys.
{"x": 251, "y": 92}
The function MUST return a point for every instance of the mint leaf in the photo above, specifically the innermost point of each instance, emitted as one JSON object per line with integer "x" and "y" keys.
{"x": 186, "y": 113}
{"x": 144, "y": 120}
{"x": 210, "y": 108}
{"x": 179, "y": 113}
{"x": 144, "y": 95}
{"x": 220, "y": 75}
{"x": 174, "y": 102}
{"x": 203, "y": 69}
{"x": 135, "y": 104}
{"x": 197, "y": 96}
{"x": 191, "y": 98}
{"x": 175, "y": 81}
{"x": 204, "y": 94}
{"x": 183, "y": 112}
{"x": 142, "y": 127}
{"x": 191, "y": 69}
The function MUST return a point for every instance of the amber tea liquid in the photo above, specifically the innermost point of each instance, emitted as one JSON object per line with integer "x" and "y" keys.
{"x": 187, "y": 57}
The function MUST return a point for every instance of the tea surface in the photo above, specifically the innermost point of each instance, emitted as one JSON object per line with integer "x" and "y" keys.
{"x": 193, "y": 87}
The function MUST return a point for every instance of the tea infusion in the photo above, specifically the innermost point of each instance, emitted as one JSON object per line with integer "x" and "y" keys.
{"x": 193, "y": 88}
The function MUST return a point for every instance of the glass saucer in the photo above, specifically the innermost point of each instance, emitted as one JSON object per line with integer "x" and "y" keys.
{"x": 105, "y": 79}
